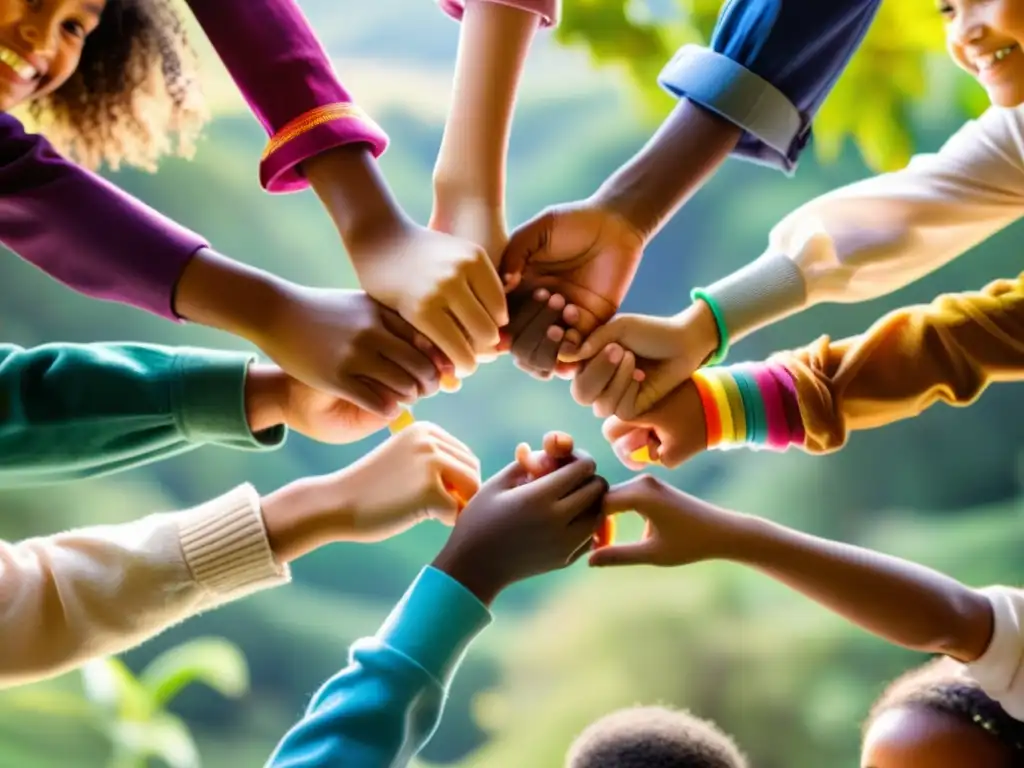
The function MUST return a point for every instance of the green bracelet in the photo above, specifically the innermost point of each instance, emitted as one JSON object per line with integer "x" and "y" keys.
{"x": 699, "y": 294}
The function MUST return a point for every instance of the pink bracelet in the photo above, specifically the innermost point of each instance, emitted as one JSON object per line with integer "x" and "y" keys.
{"x": 775, "y": 414}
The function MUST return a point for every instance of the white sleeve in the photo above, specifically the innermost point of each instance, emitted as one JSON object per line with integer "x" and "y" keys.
{"x": 880, "y": 234}
{"x": 999, "y": 670}
{"x": 98, "y": 591}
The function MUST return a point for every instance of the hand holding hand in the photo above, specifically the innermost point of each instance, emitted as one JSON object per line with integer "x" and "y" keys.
{"x": 673, "y": 431}
{"x": 663, "y": 351}
{"x": 411, "y": 477}
{"x": 516, "y": 527}
{"x": 445, "y": 286}
{"x": 584, "y": 251}
{"x": 472, "y": 219}
{"x": 680, "y": 528}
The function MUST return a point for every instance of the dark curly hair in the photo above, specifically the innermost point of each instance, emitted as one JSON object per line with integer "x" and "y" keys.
{"x": 135, "y": 95}
{"x": 940, "y": 686}
{"x": 653, "y": 737}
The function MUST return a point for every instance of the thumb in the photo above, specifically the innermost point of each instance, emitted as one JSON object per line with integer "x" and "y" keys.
{"x": 637, "y": 553}
{"x": 524, "y": 242}
{"x": 594, "y": 343}
{"x": 643, "y": 494}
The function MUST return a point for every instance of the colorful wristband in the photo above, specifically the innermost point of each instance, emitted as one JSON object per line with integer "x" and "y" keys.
{"x": 713, "y": 423}
{"x": 757, "y": 433}
{"x": 699, "y": 294}
{"x": 713, "y": 378}
{"x": 775, "y": 414}
{"x": 739, "y": 413}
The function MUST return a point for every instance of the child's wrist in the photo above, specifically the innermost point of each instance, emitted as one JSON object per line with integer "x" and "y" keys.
{"x": 307, "y": 514}
{"x": 266, "y": 394}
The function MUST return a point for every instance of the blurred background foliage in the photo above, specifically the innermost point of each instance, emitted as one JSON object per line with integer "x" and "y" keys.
{"x": 790, "y": 681}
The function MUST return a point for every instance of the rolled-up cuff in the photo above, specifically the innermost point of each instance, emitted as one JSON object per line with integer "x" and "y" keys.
{"x": 320, "y": 129}
{"x": 226, "y": 548}
{"x": 764, "y": 291}
{"x": 210, "y": 401}
{"x": 774, "y": 131}
{"x": 548, "y": 10}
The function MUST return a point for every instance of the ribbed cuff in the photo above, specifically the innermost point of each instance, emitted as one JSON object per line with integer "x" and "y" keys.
{"x": 209, "y": 401}
{"x": 763, "y": 292}
{"x": 996, "y": 669}
{"x": 548, "y": 10}
{"x": 434, "y": 623}
{"x": 771, "y": 122}
{"x": 226, "y": 548}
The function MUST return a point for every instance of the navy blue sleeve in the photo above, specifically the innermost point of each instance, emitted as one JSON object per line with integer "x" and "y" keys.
{"x": 769, "y": 67}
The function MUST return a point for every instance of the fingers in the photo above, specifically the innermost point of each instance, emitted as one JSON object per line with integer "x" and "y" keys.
{"x": 407, "y": 350}
{"x": 609, "y": 333}
{"x": 557, "y": 448}
{"x": 558, "y": 445}
{"x": 565, "y": 479}
{"x": 390, "y": 374}
{"x": 608, "y": 401}
{"x": 489, "y": 291}
{"x": 585, "y": 501}
{"x": 481, "y": 328}
{"x": 604, "y": 380}
{"x": 636, "y": 553}
{"x": 440, "y": 327}
{"x": 369, "y": 395}
{"x": 461, "y": 481}
{"x": 627, "y": 447}
{"x": 523, "y": 243}
{"x": 511, "y": 476}
{"x": 535, "y": 348}
{"x": 645, "y": 495}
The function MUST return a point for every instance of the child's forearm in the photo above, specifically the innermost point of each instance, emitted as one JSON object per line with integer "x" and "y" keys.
{"x": 947, "y": 351}
{"x": 493, "y": 45}
{"x": 904, "y": 603}
{"x": 686, "y": 150}
{"x": 99, "y": 591}
{"x": 69, "y": 411}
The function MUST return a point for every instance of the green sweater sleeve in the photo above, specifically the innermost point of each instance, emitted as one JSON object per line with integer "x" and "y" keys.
{"x": 71, "y": 411}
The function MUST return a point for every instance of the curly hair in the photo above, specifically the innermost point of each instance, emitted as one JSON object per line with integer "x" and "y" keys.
{"x": 135, "y": 95}
{"x": 653, "y": 737}
{"x": 940, "y": 686}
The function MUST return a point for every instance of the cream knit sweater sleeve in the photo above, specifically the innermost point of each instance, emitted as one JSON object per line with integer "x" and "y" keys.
{"x": 880, "y": 234}
{"x": 98, "y": 591}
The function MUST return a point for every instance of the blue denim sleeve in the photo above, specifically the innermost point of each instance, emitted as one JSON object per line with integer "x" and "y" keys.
{"x": 769, "y": 67}
{"x": 385, "y": 705}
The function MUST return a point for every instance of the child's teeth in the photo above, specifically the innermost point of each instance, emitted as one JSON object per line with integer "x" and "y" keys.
{"x": 18, "y": 64}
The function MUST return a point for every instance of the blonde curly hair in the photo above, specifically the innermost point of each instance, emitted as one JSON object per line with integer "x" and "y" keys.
{"x": 135, "y": 95}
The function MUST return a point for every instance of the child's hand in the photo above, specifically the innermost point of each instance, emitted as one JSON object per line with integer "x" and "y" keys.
{"x": 347, "y": 345}
{"x": 540, "y": 326}
{"x": 472, "y": 219}
{"x": 556, "y": 449}
{"x": 445, "y": 286}
{"x": 272, "y": 397}
{"x": 516, "y": 527}
{"x": 665, "y": 352}
{"x": 399, "y": 483}
{"x": 673, "y": 431}
{"x": 680, "y": 529}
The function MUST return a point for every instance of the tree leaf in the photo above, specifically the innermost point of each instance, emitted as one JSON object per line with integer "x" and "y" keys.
{"x": 110, "y": 685}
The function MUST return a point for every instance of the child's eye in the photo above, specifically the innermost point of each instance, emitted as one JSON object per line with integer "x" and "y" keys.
{"x": 945, "y": 10}
{"x": 76, "y": 28}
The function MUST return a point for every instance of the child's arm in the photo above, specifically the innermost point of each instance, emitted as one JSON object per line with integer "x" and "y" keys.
{"x": 99, "y": 591}
{"x": 385, "y": 705}
{"x": 469, "y": 175}
{"x": 69, "y": 411}
{"x": 947, "y": 351}
{"x": 904, "y": 603}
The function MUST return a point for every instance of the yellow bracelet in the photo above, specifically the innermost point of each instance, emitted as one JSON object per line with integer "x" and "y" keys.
{"x": 739, "y": 415}
{"x": 711, "y": 376}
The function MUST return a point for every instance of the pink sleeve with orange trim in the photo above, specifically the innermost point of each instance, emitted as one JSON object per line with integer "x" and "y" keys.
{"x": 549, "y": 10}
{"x": 286, "y": 77}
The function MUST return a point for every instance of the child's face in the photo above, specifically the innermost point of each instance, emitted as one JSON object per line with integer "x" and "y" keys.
{"x": 922, "y": 738}
{"x": 40, "y": 44}
{"x": 984, "y": 37}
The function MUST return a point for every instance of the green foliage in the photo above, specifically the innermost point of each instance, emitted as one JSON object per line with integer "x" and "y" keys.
{"x": 871, "y": 102}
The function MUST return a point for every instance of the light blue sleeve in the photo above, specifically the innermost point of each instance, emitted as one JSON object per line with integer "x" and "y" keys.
{"x": 385, "y": 705}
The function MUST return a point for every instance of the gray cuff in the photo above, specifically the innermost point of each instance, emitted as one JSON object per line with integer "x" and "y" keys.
{"x": 719, "y": 84}
{"x": 763, "y": 292}
{"x": 209, "y": 401}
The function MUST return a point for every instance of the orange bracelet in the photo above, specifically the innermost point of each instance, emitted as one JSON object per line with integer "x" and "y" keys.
{"x": 711, "y": 416}
{"x": 310, "y": 120}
